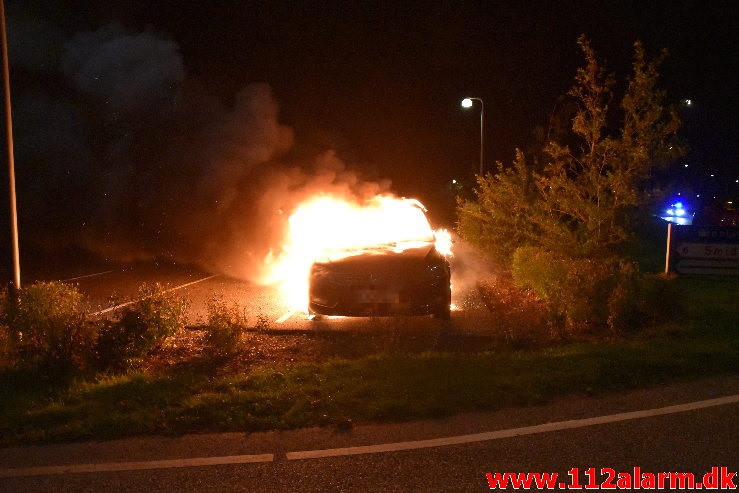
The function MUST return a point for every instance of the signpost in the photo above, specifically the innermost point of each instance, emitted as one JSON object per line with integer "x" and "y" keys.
{"x": 702, "y": 250}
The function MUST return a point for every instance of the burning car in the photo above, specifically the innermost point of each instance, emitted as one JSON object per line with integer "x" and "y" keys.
{"x": 401, "y": 268}
{"x": 407, "y": 277}
{"x": 378, "y": 256}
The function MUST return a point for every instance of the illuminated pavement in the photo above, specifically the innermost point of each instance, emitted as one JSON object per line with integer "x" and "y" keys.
{"x": 260, "y": 302}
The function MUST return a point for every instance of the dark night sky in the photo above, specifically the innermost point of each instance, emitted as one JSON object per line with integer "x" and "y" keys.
{"x": 383, "y": 80}
{"x": 378, "y": 82}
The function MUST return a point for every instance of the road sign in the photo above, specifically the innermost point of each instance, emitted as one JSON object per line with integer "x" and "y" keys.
{"x": 703, "y": 250}
{"x": 708, "y": 250}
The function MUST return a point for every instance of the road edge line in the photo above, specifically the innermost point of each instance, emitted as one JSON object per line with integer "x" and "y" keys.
{"x": 134, "y": 466}
{"x": 110, "y": 309}
{"x": 512, "y": 432}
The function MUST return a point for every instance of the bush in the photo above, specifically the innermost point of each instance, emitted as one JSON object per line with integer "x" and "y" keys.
{"x": 576, "y": 290}
{"x": 225, "y": 328}
{"x": 520, "y": 316}
{"x": 640, "y": 299}
{"x": 583, "y": 292}
{"x": 46, "y": 326}
{"x": 540, "y": 271}
{"x": 140, "y": 327}
{"x": 7, "y": 359}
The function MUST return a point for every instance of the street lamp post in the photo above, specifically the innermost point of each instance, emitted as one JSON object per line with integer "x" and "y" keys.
{"x": 11, "y": 164}
{"x": 467, "y": 103}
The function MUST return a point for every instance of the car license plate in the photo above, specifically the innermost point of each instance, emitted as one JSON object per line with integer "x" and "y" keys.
{"x": 378, "y": 296}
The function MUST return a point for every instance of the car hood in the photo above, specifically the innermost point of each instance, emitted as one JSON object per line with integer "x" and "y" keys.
{"x": 378, "y": 256}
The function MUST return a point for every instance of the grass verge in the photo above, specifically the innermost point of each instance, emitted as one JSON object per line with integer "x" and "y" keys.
{"x": 386, "y": 385}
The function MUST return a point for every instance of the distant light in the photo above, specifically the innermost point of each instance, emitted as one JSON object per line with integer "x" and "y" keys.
{"x": 454, "y": 182}
{"x": 676, "y": 209}
{"x": 686, "y": 165}
{"x": 677, "y": 213}
{"x": 699, "y": 195}
{"x": 466, "y": 103}
{"x": 682, "y": 221}
{"x": 711, "y": 175}
{"x": 688, "y": 102}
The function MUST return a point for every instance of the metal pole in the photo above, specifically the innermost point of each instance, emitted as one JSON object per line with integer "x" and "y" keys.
{"x": 467, "y": 103}
{"x": 482, "y": 114}
{"x": 11, "y": 160}
{"x": 669, "y": 246}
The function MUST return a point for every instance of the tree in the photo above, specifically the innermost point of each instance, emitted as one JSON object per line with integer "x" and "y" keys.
{"x": 581, "y": 206}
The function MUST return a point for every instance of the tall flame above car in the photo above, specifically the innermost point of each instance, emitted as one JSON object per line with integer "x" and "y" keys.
{"x": 326, "y": 226}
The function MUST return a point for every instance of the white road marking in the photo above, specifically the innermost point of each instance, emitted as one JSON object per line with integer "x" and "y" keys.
{"x": 102, "y": 312}
{"x": 512, "y": 432}
{"x": 135, "y": 466}
{"x": 286, "y": 316}
{"x": 368, "y": 449}
{"x": 86, "y": 276}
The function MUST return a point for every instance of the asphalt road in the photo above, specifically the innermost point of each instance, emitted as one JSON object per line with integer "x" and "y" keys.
{"x": 109, "y": 285}
{"x": 686, "y": 441}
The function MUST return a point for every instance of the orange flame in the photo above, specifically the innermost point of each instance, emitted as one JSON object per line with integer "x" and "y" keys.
{"x": 443, "y": 242}
{"x": 330, "y": 226}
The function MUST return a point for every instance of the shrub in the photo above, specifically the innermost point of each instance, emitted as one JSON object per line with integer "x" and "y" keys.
{"x": 540, "y": 271}
{"x": 576, "y": 290}
{"x": 583, "y": 292}
{"x": 46, "y": 326}
{"x": 639, "y": 299}
{"x": 225, "y": 328}
{"x": 7, "y": 359}
{"x": 140, "y": 327}
{"x": 521, "y": 317}
{"x": 263, "y": 322}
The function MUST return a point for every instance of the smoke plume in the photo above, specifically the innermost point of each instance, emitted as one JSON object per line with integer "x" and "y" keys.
{"x": 121, "y": 152}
